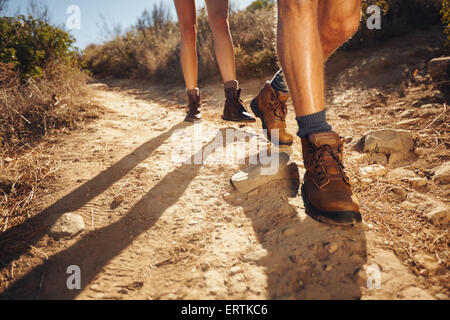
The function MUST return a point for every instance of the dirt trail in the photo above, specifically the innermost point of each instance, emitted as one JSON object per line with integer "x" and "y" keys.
{"x": 182, "y": 232}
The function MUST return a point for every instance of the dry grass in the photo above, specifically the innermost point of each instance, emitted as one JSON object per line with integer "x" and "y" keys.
{"x": 60, "y": 99}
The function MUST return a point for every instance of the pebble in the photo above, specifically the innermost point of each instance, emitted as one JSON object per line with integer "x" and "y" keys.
{"x": 67, "y": 226}
{"x": 255, "y": 255}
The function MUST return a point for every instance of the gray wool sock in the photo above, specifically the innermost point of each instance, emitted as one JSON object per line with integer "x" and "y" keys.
{"x": 313, "y": 123}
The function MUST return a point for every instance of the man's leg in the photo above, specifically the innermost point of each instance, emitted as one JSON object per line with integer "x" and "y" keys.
{"x": 326, "y": 189}
{"x": 223, "y": 45}
{"x": 334, "y": 30}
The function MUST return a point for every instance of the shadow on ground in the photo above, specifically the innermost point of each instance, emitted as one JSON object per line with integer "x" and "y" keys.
{"x": 306, "y": 259}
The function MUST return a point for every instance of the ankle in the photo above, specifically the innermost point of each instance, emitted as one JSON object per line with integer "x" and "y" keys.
{"x": 313, "y": 123}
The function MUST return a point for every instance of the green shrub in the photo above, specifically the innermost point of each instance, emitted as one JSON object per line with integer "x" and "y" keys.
{"x": 446, "y": 22}
{"x": 30, "y": 44}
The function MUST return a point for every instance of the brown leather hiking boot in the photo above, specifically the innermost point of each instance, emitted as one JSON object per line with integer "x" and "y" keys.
{"x": 271, "y": 108}
{"x": 193, "y": 113}
{"x": 326, "y": 189}
{"x": 235, "y": 108}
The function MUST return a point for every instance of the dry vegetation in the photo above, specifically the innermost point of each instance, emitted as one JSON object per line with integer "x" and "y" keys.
{"x": 42, "y": 91}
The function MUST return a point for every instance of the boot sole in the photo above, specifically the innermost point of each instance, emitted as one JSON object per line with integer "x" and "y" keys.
{"x": 255, "y": 108}
{"x": 238, "y": 120}
{"x": 343, "y": 218}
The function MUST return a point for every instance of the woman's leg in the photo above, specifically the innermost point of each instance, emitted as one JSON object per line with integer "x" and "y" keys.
{"x": 223, "y": 44}
{"x": 188, "y": 27}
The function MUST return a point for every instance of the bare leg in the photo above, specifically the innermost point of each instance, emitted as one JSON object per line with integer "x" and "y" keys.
{"x": 301, "y": 54}
{"x": 223, "y": 44}
{"x": 188, "y": 27}
{"x": 338, "y": 20}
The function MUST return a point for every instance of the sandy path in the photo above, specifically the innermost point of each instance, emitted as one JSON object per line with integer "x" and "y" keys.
{"x": 183, "y": 233}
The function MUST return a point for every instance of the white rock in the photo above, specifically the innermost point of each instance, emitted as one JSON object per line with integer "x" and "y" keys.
{"x": 215, "y": 283}
{"x": 427, "y": 261}
{"x": 439, "y": 214}
{"x": 235, "y": 270}
{"x": 67, "y": 226}
{"x": 374, "y": 169}
{"x": 387, "y": 141}
{"x": 255, "y": 255}
{"x": 401, "y": 173}
{"x": 442, "y": 174}
{"x": 418, "y": 182}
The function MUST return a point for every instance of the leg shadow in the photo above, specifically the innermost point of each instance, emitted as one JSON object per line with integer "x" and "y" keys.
{"x": 306, "y": 259}
{"x": 96, "y": 249}
{"x": 35, "y": 228}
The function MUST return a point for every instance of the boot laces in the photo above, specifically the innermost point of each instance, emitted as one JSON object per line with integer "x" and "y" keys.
{"x": 319, "y": 156}
{"x": 279, "y": 107}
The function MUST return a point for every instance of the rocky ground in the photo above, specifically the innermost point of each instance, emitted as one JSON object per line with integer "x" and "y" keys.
{"x": 141, "y": 224}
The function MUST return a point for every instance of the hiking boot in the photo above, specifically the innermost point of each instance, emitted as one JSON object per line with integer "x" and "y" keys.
{"x": 326, "y": 189}
{"x": 235, "y": 108}
{"x": 193, "y": 112}
{"x": 271, "y": 108}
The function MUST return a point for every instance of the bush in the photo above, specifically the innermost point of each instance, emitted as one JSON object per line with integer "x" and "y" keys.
{"x": 446, "y": 22}
{"x": 41, "y": 85}
{"x": 29, "y": 44}
{"x": 151, "y": 49}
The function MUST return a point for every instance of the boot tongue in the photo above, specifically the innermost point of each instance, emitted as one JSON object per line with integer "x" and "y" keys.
{"x": 283, "y": 96}
{"x": 325, "y": 138}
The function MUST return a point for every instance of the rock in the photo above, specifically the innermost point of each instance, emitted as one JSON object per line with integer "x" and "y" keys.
{"x": 441, "y": 296}
{"x": 418, "y": 182}
{"x": 119, "y": 199}
{"x": 387, "y": 141}
{"x": 374, "y": 169}
{"x": 257, "y": 175}
{"x": 67, "y": 226}
{"x": 427, "y": 261}
{"x": 439, "y": 68}
{"x": 400, "y": 192}
{"x": 442, "y": 174}
{"x": 401, "y": 173}
{"x": 235, "y": 270}
{"x": 414, "y": 293}
{"x": 255, "y": 255}
{"x": 205, "y": 266}
{"x": 439, "y": 214}
{"x": 333, "y": 247}
{"x": 215, "y": 283}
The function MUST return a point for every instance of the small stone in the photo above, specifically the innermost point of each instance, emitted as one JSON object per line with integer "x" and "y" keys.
{"x": 333, "y": 247}
{"x": 255, "y": 255}
{"x": 235, "y": 270}
{"x": 441, "y": 296}
{"x": 119, "y": 199}
{"x": 418, "y": 182}
{"x": 439, "y": 214}
{"x": 400, "y": 192}
{"x": 328, "y": 268}
{"x": 205, "y": 266}
{"x": 401, "y": 173}
{"x": 67, "y": 226}
{"x": 427, "y": 261}
{"x": 215, "y": 283}
{"x": 442, "y": 174}
{"x": 374, "y": 169}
